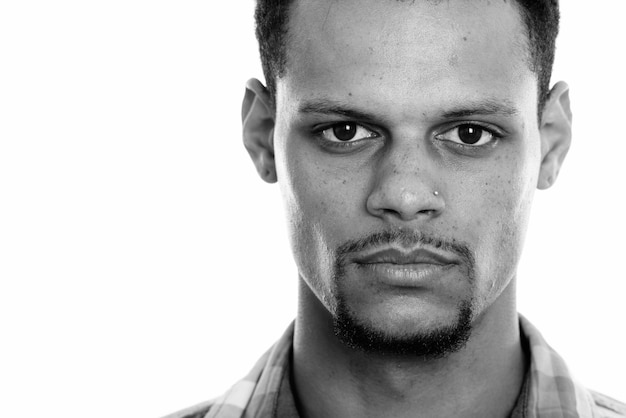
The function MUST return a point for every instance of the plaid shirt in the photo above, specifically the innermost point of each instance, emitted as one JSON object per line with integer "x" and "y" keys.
{"x": 552, "y": 392}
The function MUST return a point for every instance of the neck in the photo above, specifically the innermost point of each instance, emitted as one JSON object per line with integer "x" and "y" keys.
{"x": 482, "y": 379}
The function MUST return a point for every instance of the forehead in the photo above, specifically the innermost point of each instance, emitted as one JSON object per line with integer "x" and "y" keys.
{"x": 401, "y": 51}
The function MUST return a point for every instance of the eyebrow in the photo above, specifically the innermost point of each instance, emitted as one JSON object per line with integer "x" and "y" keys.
{"x": 331, "y": 107}
{"x": 487, "y": 107}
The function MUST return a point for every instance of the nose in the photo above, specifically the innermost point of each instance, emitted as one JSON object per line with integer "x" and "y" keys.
{"x": 405, "y": 188}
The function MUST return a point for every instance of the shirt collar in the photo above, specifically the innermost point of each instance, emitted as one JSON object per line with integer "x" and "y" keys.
{"x": 552, "y": 391}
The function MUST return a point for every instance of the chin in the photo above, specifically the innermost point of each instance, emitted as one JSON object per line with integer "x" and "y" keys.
{"x": 425, "y": 334}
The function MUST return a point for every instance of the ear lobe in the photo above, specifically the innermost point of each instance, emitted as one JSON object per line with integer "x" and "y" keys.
{"x": 556, "y": 134}
{"x": 257, "y": 117}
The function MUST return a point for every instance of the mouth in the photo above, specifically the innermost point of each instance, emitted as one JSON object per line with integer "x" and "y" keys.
{"x": 413, "y": 268}
{"x": 402, "y": 257}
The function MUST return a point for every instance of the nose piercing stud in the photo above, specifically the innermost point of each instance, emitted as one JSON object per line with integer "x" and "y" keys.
{"x": 436, "y": 193}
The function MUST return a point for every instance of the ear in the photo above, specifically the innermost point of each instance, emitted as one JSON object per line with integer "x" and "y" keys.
{"x": 257, "y": 116}
{"x": 556, "y": 134}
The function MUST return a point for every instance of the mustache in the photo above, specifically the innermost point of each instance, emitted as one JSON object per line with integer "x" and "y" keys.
{"x": 406, "y": 238}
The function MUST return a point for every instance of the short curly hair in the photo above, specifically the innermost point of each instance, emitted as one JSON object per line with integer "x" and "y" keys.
{"x": 540, "y": 18}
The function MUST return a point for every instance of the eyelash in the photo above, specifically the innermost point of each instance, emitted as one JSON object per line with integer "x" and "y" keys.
{"x": 497, "y": 135}
{"x": 318, "y": 133}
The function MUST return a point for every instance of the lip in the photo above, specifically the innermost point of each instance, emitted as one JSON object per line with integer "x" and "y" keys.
{"x": 405, "y": 258}
{"x": 401, "y": 268}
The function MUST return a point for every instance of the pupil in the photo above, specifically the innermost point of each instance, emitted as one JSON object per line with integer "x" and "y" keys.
{"x": 345, "y": 131}
{"x": 470, "y": 134}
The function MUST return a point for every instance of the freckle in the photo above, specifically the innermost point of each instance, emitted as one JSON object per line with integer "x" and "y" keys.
{"x": 345, "y": 181}
{"x": 349, "y": 94}
{"x": 380, "y": 78}
{"x": 465, "y": 38}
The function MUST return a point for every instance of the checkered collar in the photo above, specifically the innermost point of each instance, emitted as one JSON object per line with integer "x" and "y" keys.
{"x": 552, "y": 392}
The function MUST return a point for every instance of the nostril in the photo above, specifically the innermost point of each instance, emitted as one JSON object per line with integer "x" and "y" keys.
{"x": 405, "y": 203}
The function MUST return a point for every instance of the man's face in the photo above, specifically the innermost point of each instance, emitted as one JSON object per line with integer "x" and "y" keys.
{"x": 408, "y": 151}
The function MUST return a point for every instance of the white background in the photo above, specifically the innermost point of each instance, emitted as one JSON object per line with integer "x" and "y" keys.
{"x": 144, "y": 266}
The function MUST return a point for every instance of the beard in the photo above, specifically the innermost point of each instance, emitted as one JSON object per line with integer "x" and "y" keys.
{"x": 433, "y": 344}
{"x": 436, "y": 342}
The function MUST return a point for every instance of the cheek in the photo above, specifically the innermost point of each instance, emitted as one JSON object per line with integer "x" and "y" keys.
{"x": 320, "y": 191}
{"x": 318, "y": 205}
{"x": 311, "y": 192}
{"x": 503, "y": 206}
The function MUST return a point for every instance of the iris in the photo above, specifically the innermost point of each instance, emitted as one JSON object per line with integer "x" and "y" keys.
{"x": 345, "y": 131}
{"x": 470, "y": 134}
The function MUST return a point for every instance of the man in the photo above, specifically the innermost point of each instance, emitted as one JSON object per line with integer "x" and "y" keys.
{"x": 408, "y": 138}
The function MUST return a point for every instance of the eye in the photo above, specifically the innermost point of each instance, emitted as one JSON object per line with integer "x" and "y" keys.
{"x": 347, "y": 132}
{"x": 468, "y": 134}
